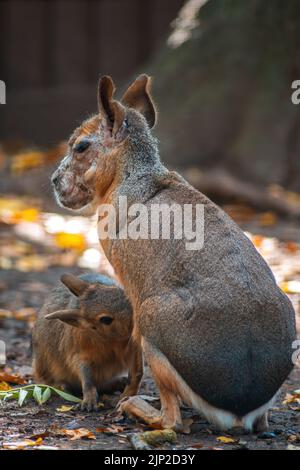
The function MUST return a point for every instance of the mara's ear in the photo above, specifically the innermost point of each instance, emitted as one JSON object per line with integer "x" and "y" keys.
{"x": 112, "y": 111}
{"x": 138, "y": 96}
{"x": 72, "y": 316}
{"x": 76, "y": 285}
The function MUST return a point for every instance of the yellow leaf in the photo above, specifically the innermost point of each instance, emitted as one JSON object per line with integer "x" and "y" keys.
{"x": 73, "y": 241}
{"x": 27, "y": 215}
{"x": 19, "y": 445}
{"x": 290, "y": 287}
{"x": 4, "y": 386}
{"x": 27, "y": 160}
{"x": 65, "y": 408}
{"x": 226, "y": 440}
{"x": 16, "y": 210}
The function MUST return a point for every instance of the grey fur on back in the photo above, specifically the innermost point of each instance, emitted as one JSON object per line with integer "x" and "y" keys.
{"x": 215, "y": 313}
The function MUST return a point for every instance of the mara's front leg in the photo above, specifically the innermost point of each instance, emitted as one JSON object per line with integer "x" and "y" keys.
{"x": 89, "y": 390}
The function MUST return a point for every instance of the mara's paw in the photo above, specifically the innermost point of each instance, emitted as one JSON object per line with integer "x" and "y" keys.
{"x": 89, "y": 403}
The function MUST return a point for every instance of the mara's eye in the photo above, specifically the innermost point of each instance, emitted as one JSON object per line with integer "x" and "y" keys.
{"x": 82, "y": 146}
{"x": 106, "y": 320}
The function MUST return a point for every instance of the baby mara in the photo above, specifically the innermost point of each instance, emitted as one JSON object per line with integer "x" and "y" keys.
{"x": 81, "y": 339}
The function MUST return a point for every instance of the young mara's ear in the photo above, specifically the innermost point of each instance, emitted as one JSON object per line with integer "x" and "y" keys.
{"x": 76, "y": 285}
{"x": 112, "y": 111}
{"x": 138, "y": 97}
{"x": 72, "y": 316}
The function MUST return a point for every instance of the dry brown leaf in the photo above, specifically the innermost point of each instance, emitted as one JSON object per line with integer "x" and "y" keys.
{"x": 113, "y": 429}
{"x": 80, "y": 433}
{"x": 12, "y": 378}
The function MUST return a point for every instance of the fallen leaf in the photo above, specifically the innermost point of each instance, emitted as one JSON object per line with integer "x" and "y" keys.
{"x": 70, "y": 241}
{"x": 16, "y": 210}
{"x": 11, "y": 378}
{"x": 41, "y": 435}
{"x": 4, "y": 386}
{"x": 227, "y": 440}
{"x": 19, "y": 445}
{"x": 65, "y": 408}
{"x": 80, "y": 433}
{"x": 294, "y": 438}
{"x": 113, "y": 429}
{"x": 290, "y": 287}
{"x": 289, "y": 398}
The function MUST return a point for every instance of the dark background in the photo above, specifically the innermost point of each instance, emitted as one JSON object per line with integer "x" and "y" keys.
{"x": 52, "y": 53}
{"x": 223, "y": 90}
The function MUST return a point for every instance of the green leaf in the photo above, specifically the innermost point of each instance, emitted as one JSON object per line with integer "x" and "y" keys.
{"x": 46, "y": 395}
{"x": 66, "y": 396}
{"x": 8, "y": 395}
{"x": 37, "y": 394}
{"x": 22, "y": 396}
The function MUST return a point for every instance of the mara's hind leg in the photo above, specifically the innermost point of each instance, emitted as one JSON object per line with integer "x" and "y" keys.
{"x": 170, "y": 415}
{"x": 261, "y": 423}
{"x": 170, "y": 409}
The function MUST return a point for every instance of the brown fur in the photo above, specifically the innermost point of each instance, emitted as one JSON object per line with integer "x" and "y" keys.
{"x": 74, "y": 349}
{"x": 216, "y": 330}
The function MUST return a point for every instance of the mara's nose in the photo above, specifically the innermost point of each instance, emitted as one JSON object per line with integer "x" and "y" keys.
{"x": 55, "y": 179}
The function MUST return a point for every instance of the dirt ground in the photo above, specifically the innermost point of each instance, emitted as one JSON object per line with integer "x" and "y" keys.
{"x": 26, "y": 289}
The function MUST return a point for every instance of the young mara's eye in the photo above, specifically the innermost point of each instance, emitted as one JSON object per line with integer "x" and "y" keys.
{"x": 106, "y": 320}
{"x": 82, "y": 146}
